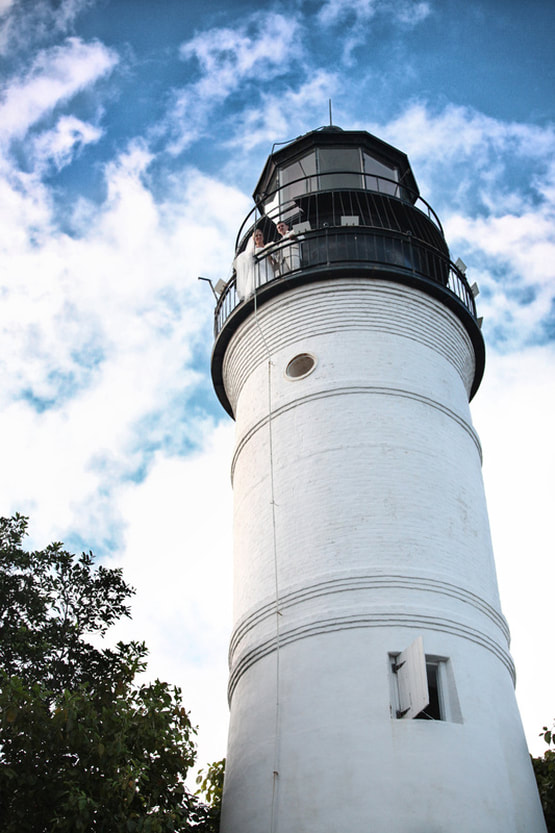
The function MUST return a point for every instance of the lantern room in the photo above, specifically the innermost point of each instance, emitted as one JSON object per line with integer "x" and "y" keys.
{"x": 339, "y": 203}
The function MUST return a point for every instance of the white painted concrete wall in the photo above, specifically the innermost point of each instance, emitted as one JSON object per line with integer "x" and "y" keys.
{"x": 358, "y": 501}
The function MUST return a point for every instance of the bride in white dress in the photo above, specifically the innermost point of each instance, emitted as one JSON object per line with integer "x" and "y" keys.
{"x": 251, "y": 267}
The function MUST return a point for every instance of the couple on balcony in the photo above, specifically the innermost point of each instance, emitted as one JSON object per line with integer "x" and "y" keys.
{"x": 262, "y": 262}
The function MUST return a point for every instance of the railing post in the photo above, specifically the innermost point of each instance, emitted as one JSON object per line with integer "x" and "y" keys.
{"x": 408, "y": 236}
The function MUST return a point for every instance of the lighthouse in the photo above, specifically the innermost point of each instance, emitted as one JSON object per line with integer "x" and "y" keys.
{"x": 371, "y": 686}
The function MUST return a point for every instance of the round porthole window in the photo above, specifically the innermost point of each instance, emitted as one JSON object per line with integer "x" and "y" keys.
{"x": 300, "y": 366}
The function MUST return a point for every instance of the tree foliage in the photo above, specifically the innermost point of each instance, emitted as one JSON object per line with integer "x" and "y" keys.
{"x": 52, "y": 601}
{"x": 211, "y": 786}
{"x": 83, "y": 746}
{"x": 544, "y": 769}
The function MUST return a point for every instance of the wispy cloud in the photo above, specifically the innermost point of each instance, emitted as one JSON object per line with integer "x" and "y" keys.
{"x": 455, "y": 134}
{"x": 518, "y": 289}
{"x": 491, "y": 182}
{"x": 284, "y": 113}
{"x": 333, "y": 11}
{"x": 25, "y": 24}
{"x": 266, "y": 46}
{"x": 352, "y": 19}
{"x": 58, "y": 147}
{"x": 55, "y": 76}
{"x": 357, "y": 12}
{"x": 5, "y": 6}
{"x": 259, "y": 49}
{"x": 98, "y": 336}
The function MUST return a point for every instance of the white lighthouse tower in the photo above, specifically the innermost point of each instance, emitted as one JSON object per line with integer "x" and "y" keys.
{"x": 371, "y": 686}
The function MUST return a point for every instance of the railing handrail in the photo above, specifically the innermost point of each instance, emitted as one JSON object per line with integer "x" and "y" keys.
{"x": 455, "y": 282}
{"x": 258, "y": 206}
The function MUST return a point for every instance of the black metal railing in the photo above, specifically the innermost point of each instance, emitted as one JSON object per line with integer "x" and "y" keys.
{"x": 338, "y": 198}
{"x": 378, "y": 250}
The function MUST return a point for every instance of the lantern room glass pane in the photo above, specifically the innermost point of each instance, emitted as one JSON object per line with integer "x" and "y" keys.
{"x": 271, "y": 202}
{"x": 299, "y": 174}
{"x": 377, "y": 175}
{"x": 334, "y": 163}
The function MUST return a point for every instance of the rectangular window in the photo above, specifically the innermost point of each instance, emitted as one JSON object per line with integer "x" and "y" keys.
{"x": 423, "y": 686}
{"x": 377, "y": 176}
{"x": 333, "y": 167}
{"x": 271, "y": 202}
{"x": 301, "y": 176}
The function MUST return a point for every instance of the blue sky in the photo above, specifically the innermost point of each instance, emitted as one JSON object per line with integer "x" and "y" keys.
{"x": 132, "y": 133}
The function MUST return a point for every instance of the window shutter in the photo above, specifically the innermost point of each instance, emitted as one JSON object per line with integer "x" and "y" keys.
{"x": 410, "y": 667}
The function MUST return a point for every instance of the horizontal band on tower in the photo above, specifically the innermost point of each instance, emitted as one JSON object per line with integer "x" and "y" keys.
{"x": 345, "y": 584}
{"x": 373, "y": 390}
{"x": 365, "y": 620}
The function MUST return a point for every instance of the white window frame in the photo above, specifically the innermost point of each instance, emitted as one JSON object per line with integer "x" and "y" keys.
{"x": 409, "y": 684}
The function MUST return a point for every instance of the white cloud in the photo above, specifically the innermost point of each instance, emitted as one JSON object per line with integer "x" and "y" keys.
{"x": 265, "y": 47}
{"x": 99, "y": 329}
{"x": 258, "y": 49}
{"x": 412, "y": 13}
{"x": 459, "y": 135}
{"x": 59, "y": 146}
{"x": 359, "y": 12}
{"x": 25, "y": 205}
{"x": 354, "y": 17}
{"x": 25, "y": 24}
{"x": 5, "y": 6}
{"x": 492, "y": 185}
{"x": 55, "y": 76}
{"x": 333, "y": 11}
{"x": 282, "y": 114}
{"x": 523, "y": 296}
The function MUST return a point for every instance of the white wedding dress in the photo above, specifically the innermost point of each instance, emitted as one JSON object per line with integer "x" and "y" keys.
{"x": 250, "y": 270}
